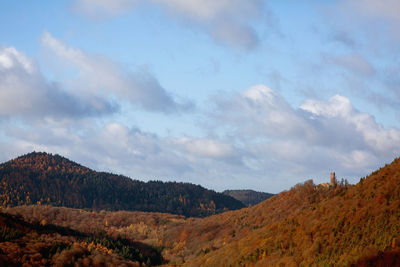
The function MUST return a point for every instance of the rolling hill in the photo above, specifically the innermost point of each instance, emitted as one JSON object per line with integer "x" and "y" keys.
{"x": 343, "y": 225}
{"x": 41, "y": 178}
{"x": 248, "y": 197}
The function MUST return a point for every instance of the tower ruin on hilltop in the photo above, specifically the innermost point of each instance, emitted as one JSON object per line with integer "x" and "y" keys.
{"x": 333, "y": 182}
{"x": 333, "y": 179}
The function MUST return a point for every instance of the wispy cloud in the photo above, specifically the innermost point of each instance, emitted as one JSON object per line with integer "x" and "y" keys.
{"x": 353, "y": 63}
{"x": 370, "y": 23}
{"x": 99, "y": 75}
{"x": 228, "y": 22}
{"x": 368, "y": 33}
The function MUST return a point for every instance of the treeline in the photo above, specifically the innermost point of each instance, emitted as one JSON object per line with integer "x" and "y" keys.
{"x": 41, "y": 178}
{"x": 248, "y": 197}
{"x": 308, "y": 225}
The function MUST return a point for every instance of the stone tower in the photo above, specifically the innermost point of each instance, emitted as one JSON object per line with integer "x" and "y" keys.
{"x": 333, "y": 179}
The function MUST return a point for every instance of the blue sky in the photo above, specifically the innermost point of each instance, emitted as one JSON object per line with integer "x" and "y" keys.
{"x": 228, "y": 94}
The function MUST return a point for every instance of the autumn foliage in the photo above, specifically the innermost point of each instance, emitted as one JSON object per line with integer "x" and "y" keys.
{"x": 342, "y": 225}
{"x": 38, "y": 244}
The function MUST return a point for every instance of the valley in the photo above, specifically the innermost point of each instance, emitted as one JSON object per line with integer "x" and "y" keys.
{"x": 309, "y": 224}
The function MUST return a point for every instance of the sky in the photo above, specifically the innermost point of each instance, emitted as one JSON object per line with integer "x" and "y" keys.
{"x": 228, "y": 94}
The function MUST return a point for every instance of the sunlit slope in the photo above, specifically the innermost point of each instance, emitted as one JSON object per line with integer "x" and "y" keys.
{"x": 312, "y": 225}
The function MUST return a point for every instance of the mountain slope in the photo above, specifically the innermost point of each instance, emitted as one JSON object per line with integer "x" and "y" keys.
{"x": 41, "y": 244}
{"x": 345, "y": 225}
{"x": 51, "y": 179}
{"x": 248, "y": 197}
{"x": 313, "y": 225}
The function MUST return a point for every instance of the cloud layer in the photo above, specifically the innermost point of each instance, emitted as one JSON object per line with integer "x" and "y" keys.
{"x": 255, "y": 134}
{"x": 319, "y": 135}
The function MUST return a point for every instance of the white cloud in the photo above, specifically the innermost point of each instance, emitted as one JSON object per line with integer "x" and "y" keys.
{"x": 261, "y": 111}
{"x": 100, "y": 75}
{"x": 337, "y": 106}
{"x": 361, "y": 158}
{"x": 363, "y": 126}
{"x": 316, "y": 136}
{"x": 11, "y": 58}
{"x": 226, "y": 21}
{"x": 205, "y": 147}
{"x": 25, "y": 92}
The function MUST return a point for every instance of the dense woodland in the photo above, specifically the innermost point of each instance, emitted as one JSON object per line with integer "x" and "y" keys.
{"x": 41, "y": 178}
{"x": 43, "y": 244}
{"x": 248, "y": 197}
{"x": 343, "y": 225}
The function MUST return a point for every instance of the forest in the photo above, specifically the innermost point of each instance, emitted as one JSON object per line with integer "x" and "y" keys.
{"x": 338, "y": 225}
{"x": 43, "y": 244}
{"x": 42, "y": 178}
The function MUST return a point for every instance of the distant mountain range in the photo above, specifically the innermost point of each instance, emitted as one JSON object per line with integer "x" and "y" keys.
{"x": 41, "y": 178}
{"x": 248, "y": 197}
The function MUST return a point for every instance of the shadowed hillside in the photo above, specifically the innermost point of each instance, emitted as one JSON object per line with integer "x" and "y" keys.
{"x": 42, "y": 244}
{"x": 41, "y": 178}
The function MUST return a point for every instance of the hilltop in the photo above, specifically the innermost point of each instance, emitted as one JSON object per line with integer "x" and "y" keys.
{"x": 41, "y": 178}
{"x": 248, "y": 197}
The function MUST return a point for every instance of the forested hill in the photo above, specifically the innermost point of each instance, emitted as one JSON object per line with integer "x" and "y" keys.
{"x": 308, "y": 225}
{"x": 248, "y": 197}
{"x": 41, "y": 178}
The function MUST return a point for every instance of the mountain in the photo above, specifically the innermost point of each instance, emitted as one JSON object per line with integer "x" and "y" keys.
{"x": 308, "y": 225}
{"x": 41, "y": 178}
{"x": 248, "y": 197}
